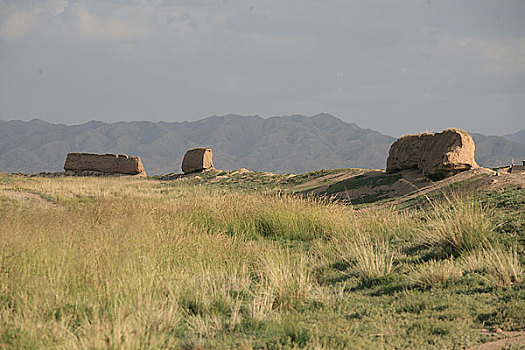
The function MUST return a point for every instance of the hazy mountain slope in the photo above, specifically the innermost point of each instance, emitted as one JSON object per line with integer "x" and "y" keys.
{"x": 495, "y": 151}
{"x": 289, "y": 144}
{"x": 517, "y": 137}
{"x": 278, "y": 144}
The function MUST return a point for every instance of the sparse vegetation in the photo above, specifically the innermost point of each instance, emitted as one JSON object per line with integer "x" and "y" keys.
{"x": 142, "y": 263}
{"x": 457, "y": 224}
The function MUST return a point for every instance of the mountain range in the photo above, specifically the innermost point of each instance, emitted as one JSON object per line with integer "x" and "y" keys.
{"x": 290, "y": 144}
{"x": 517, "y": 137}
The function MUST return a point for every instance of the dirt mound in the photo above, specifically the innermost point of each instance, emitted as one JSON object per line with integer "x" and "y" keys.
{"x": 440, "y": 155}
{"x": 197, "y": 159}
{"x": 373, "y": 186}
{"x": 407, "y": 187}
{"x": 241, "y": 171}
{"x": 104, "y": 163}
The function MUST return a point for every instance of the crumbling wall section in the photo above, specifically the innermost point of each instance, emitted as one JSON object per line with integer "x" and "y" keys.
{"x": 197, "y": 159}
{"x": 104, "y": 163}
{"x": 441, "y": 154}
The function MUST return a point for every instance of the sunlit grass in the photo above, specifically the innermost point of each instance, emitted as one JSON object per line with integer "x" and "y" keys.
{"x": 370, "y": 257}
{"x": 138, "y": 263}
{"x": 456, "y": 224}
{"x": 501, "y": 267}
{"x": 434, "y": 272}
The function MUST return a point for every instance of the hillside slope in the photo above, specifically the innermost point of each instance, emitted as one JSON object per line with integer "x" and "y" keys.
{"x": 517, "y": 136}
{"x": 495, "y": 151}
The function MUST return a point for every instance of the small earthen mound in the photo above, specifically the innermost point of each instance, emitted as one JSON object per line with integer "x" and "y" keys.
{"x": 241, "y": 171}
{"x": 197, "y": 159}
{"x": 438, "y": 155}
{"x": 84, "y": 163}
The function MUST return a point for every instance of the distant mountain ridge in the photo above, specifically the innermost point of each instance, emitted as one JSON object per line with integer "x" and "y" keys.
{"x": 497, "y": 151}
{"x": 292, "y": 144}
{"x": 517, "y": 136}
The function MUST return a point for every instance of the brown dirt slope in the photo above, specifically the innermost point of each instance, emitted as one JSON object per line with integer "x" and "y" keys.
{"x": 404, "y": 187}
{"x": 511, "y": 340}
{"x": 357, "y": 186}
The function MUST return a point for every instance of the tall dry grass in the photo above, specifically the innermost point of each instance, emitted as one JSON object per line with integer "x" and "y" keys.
{"x": 456, "y": 224}
{"x": 498, "y": 265}
{"x": 135, "y": 263}
{"x": 434, "y": 272}
{"x": 370, "y": 257}
{"x": 124, "y": 265}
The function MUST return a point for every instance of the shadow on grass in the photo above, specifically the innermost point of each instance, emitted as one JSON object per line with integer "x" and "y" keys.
{"x": 415, "y": 249}
{"x": 391, "y": 289}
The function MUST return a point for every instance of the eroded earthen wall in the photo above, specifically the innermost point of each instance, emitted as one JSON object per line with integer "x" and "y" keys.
{"x": 104, "y": 163}
{"x": 441, "y": 154}
{"x": 197, "y": 159}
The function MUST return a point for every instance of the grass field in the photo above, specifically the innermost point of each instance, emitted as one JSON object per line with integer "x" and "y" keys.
{"x": 143, "y": 263}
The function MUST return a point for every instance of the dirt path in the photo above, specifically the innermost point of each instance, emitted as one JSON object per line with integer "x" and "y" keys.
{"x": 325, "y": 181}
{"x": 512, "y": 340}
{"x": 27, "y": 197}
{"x": 474, "y": 175}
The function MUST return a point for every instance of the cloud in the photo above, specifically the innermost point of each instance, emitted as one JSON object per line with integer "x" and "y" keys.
{"x": 468, "y": 64}
{"x": 356, "y": 58}
{"x": 256, "y": 23}
{"x": 18, "y": 17}
{"x": 109, "y": 24}
{"x": 16, "y": 24}
{"x": 97, "y": 20}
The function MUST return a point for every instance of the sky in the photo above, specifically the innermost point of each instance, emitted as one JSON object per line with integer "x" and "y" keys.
{"x": 394, "y": 66}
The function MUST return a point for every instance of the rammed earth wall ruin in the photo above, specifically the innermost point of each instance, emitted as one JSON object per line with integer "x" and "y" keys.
{"x": 442, "y": 154}
{"x": 104, "y": 163}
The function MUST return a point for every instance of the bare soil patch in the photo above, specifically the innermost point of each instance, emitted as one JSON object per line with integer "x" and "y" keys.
{"x": 27, "y": 198}
{"x": 511, "y": 340}
{"x": 405, "y": 186}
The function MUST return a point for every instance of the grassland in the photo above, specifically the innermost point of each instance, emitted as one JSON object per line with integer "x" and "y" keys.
{"x": 144, "y": 263}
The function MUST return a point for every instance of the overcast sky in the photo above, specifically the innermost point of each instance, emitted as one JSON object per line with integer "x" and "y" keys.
{"x": 394, "y": 66}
